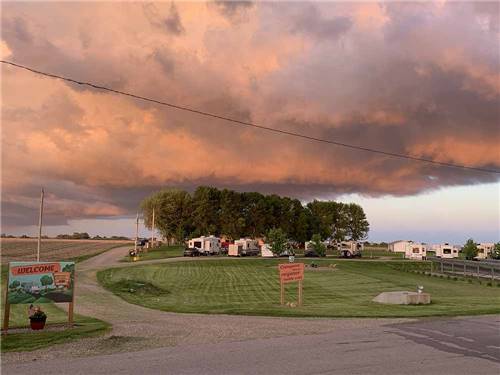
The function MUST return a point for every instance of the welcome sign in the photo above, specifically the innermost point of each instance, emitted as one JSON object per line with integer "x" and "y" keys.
{"x": 40, "y": 282}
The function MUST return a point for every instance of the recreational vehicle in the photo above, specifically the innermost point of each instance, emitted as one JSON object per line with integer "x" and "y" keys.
{"x": 243, "y": 247}
{"x": 265, "y": 251}
{"x": 205, "y": 245}
{"x": 445, "y": 251}
{"x": 350, "y": 249}
{"x": 416, "y": 251}
{"x": 484, "y": 250}
{"x": 399, "y": 246}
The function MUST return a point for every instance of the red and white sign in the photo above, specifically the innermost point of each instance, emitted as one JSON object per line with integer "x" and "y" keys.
{"x": 291, "y": 272}
{"x": 34, "y": 269}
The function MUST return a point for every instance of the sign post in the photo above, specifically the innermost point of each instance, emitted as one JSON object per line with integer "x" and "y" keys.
{"x": 37, "y": 282}
{"x": 290, "y": 272}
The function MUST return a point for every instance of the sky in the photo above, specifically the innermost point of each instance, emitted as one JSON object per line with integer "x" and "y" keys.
{"x": 413, "y": 78}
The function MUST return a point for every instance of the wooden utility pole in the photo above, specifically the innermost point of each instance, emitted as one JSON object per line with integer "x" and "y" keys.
{"x": 40, "y": 228}
{"x": 153, "y": 230}
{"x": 136, "y": 233}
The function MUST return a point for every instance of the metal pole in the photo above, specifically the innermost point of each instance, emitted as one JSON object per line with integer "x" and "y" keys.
{"x": 40, "y": 228}
{"x": 441, "y": 266}
{"x": 136, "y": 232}
{"x": 478, "y": 271}
{"x": 492, "y": 273}
{"x": 153, "y": 230}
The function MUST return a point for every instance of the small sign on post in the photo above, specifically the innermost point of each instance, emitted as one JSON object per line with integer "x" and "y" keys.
{"x": 290, "y": 272}
{"x": 39, "y": 282}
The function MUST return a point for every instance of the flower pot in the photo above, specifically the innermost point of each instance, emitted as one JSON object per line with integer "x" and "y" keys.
{"x": 37, "y": 324}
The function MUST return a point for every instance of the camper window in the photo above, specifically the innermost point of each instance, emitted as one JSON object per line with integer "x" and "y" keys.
{"x": 446, "y": 251}
{"x": 416, "y": 250}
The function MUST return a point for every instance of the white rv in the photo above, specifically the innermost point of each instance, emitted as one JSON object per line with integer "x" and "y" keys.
{"x": 350, "y": 249}
{"x": 445, "y": 251}
{"x": 399, "y": 246}
{"x": 243, "y": 247}
{"x": 416, "y": 251}
{"x": 205, "y": 245}
{"x": 484, "y": 250}
{"x": 265, "y": 251}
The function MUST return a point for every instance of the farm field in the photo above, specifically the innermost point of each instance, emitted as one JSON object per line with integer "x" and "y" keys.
{"x": 251, "y": 287}
{"x": 17, "y": 249}
{"x": 161, "y": 252}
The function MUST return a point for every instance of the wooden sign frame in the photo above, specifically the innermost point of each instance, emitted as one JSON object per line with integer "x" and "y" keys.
{"x": 291, "y": 272}
{"x": 6, "y": 315}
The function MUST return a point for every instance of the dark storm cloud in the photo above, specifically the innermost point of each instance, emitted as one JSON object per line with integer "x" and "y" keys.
{"x": 310, "y": 21}
{"x": 419, "y": 79}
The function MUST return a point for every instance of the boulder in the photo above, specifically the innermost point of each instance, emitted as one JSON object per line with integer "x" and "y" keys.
{"x": 403, "y": 298}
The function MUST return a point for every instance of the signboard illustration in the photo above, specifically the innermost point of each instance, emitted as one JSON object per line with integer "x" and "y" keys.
{"x": 40, "y": 282}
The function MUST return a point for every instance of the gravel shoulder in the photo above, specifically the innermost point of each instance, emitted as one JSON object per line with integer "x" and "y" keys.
{"x": 137, "y": 328}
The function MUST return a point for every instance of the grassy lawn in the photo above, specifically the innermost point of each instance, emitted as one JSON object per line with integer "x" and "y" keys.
{"x": 26, "y": 341}
{"x": 161, "y": 252}
{"x": 251, "y": 286}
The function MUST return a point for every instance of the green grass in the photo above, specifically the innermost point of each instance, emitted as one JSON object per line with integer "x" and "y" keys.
{"x": 27, "y": 341}
{"x": 251, "y": 287}
{"x": 161, "y": 252}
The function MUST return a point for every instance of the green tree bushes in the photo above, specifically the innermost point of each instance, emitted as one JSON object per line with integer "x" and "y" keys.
{"x": 470, "y": 249}
{"x": 277, "y": 240}
{"x": 495, "y": 254}
{"x": 180, "y": 215}
{"x": 318, "y": 246}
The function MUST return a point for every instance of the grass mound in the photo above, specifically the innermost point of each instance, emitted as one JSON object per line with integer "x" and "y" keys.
{"x": 138, "y": 287}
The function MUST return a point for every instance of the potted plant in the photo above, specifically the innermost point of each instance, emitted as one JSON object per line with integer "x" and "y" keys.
{"x": 37, "y": 318}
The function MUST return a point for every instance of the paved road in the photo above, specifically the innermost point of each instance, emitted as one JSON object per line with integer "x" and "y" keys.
{"x": 435, "y": 346}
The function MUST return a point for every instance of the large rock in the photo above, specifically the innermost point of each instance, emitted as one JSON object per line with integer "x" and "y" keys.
{"x": 403, "y": 298}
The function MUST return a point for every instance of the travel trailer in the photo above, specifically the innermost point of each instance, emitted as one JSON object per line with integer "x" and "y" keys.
{"x": 205, "y": 245}
{"x": 399, "y": 246}
{"x": 416, "y": 251}
{"x": 445, "y": 251}
{"x": 350, "y": 249}
{"x": 243, "y": 247}
{"x": 265, "y": 251}
{"x": 484, "y": 250}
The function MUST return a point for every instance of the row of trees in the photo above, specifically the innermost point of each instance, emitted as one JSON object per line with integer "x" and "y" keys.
{"x": 180, "y": 215}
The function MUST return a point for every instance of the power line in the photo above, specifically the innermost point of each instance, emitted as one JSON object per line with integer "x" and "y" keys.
{"x": 250, "y": 124}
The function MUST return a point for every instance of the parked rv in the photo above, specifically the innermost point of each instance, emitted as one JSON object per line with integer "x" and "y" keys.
{"x": 416, "y": 251}
{"x": 445, "y": 251}
{"x": 399, "y": 246}
{"x": 205, "y": 245}
{"x": 484, "y": 250}
{"x": 243, "y": 247}
{"x": 350, "y": 249}
{"x": 265, "y": 251}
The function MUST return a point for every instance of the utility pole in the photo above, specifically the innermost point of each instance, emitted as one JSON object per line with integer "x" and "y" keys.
{"x": 40, "y": 228}
{"x": 136, "y": 233}
{"x": 153, "y": 230}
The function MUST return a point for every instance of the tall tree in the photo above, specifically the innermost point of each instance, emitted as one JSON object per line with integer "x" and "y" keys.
{"x": 470, "y": 249}
{"x": 357, "y": 225}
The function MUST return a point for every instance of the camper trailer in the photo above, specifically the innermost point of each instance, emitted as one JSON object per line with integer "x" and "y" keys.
{"x": 205, "y": 245}
{"x": 265, "y": 251}
{"x": 399, "y": 246}
{"x": 484, "y": 250}
{"x": 243, "y": 247}
{"x": 445, "y": 251}
{"x": 350, "y": 249}
{"x": 416, "y": 251}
